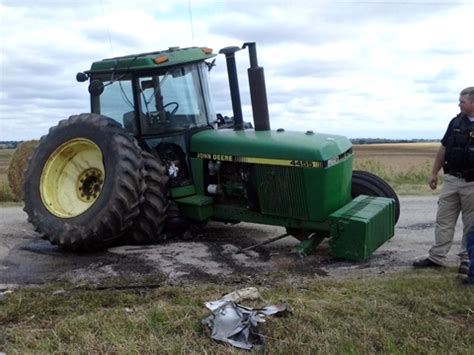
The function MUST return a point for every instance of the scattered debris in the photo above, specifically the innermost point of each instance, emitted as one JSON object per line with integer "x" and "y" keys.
{"x": 236, "y": 324}
{"x": 59, "y": 293}
{"x": 4, "y": 293}
{"x": 7, "y": 287}
{"x": 249, "y": 293}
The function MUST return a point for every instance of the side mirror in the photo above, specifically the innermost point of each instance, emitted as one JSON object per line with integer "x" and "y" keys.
{"x": 81, "y": 77}
{"x": 96, "y": 87}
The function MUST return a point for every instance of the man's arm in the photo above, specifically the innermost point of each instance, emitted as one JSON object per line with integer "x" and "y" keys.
{"x": 437, "y": 165}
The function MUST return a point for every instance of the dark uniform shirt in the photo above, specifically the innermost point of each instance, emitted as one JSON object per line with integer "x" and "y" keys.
{"x": 449, "y": 131}
{"x": 459, "y": 143}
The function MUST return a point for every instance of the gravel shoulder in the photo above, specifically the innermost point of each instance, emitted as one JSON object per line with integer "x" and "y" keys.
{"x": 26, "y": 259}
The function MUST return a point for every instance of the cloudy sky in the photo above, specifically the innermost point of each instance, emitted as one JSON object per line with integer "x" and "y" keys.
{"x": 370, "y": 68}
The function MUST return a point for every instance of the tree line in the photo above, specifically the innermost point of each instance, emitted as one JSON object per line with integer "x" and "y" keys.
{"x": 385, "y": 140}
{"x": 9, "y": 144}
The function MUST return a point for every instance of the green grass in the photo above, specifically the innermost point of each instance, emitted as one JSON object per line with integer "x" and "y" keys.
{"x": 418, "y": 312}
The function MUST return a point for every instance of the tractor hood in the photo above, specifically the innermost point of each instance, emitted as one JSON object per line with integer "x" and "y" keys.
{"x": 226, "y": 144}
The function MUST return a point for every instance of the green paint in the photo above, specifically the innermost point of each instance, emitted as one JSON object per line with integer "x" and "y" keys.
{"x": 327, "y": 189}
{"x": 197, "y": 170}
{"x": 145, "y": 60}
{"x": 361, "y": 226}
{"x": 177, "y": 192}
{"x": 270, "y": 144}
{"x": 287, "y": 191}
{"x": 197, "y": 207}
{"x": 281, "y": 191}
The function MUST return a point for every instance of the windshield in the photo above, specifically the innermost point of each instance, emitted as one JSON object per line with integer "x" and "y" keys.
{"x": 172, "y": 101}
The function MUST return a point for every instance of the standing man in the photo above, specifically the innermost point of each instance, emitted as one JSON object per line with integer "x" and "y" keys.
{"x": 456, "y": 157}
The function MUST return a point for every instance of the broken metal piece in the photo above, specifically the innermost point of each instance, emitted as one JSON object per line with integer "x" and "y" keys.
{"x": 307, "y": 246}
{"x": 268, "y": 241}
{"x": 238, "y": 325}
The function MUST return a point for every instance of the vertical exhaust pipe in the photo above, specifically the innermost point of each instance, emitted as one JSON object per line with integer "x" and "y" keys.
{"x": 229, "y": 53}
{"x": 258, "y": 91}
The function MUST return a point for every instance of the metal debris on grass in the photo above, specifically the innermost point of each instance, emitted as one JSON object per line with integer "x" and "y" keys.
{"x": 235, "y": 324}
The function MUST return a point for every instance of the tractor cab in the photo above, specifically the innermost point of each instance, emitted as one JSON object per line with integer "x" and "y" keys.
{"x": 166, "y": 101}
{"x": 162, "y": 98}
{"x": 157, "y": 93}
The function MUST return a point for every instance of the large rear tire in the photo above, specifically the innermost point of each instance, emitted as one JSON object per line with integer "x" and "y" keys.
{"x": 365, "y": 183}
{"x": 84, "y": 183}
{"x": 147, "y": 227}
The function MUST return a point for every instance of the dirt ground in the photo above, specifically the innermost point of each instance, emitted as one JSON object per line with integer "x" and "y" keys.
{"x": 25, "y": 259}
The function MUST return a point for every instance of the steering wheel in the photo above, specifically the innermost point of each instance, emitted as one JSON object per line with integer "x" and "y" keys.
{"x": 173, "y": 111}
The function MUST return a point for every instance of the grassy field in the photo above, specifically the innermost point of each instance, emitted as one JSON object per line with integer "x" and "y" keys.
{"x": 425, "y": 312}
{"x": 5, "y": 191}
{"x": 405, "y": 166}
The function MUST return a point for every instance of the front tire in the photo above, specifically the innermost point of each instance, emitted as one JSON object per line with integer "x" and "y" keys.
{"x": 365, "y": 183}
{"x": 84, "y": 183}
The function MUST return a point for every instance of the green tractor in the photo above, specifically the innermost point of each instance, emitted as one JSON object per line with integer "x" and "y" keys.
{"x": 153, "y": 157}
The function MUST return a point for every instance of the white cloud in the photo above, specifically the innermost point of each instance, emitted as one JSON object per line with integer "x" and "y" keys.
{"x": 361, "y": 69}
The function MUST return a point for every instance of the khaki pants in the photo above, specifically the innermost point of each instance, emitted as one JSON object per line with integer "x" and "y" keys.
{"x": 456, "y": 196}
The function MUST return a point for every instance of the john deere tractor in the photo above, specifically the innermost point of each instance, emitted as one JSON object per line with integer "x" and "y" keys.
{"x": 153, "y": 155}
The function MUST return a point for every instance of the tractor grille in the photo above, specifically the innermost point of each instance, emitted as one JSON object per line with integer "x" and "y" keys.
{"x": 281, "y": 191}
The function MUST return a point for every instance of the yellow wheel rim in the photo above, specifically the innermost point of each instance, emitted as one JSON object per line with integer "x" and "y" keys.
{"x": 72, "y": 178}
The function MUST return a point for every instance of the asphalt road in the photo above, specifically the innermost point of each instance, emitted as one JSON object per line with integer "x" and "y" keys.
{"x": 26, "y": 259}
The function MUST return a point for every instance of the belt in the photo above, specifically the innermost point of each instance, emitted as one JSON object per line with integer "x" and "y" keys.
{"x": 467, "y": 175}
{"x": 457, "y": 174}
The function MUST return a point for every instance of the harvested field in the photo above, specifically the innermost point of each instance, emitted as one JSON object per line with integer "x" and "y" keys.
{"x": 5, "y": 157}
{"x": 401, "y": 156}
{"x": 418, "y": 149}
{"x": 406, "y": 166}
{"x": 5, "y": 191}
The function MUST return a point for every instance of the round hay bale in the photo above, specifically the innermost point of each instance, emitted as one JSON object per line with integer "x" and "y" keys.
{"x": 18, "y": 165}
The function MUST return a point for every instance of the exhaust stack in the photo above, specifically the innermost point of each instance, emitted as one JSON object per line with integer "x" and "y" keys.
{"x": 258, "y": 92}
{"x": 229, "y": 53}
